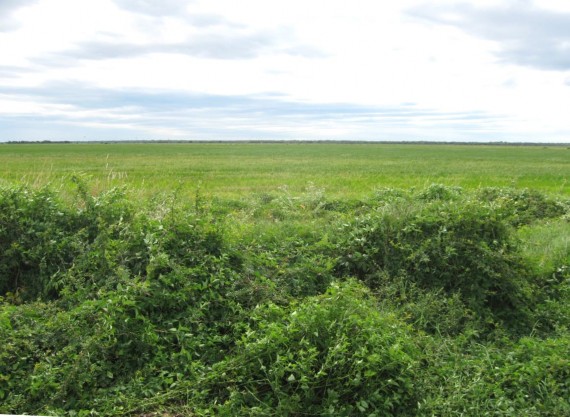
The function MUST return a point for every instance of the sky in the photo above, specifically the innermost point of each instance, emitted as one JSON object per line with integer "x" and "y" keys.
{"x": 408, "y": 70}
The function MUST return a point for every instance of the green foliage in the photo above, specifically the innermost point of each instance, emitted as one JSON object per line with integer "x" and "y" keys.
{"x": 552, "y": 310}
{"x": 139, "y": 296}
{"x": 524, "y": 206}
{"x": 433, "y": 311}
{"x": 36, "y": 241}
{"x": 333, "y": 354}
{"x": 298, "y": 261}
{"x": 412, "y": 302}
{"x": 440, "y": 192}
{"x": 546, "y": 246}
{"x": 463, "y": 249}
{"x": 528, "y": 377}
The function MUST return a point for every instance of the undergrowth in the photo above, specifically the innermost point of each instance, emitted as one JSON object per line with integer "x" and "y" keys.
{"x": 435, "y": 301}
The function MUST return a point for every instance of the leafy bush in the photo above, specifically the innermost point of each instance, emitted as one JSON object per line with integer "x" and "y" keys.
{"x": 440, "y": 192}
{"x": 218, "y": 308}
{"x": 465, "y": 249}
{"x": 429, "y": 310}
{"x": 36, "y": 241}
{"x": 119, "y": 307}
{"x": 529, "y": 377}
{"x": 334, "y": 354}
{"x": 42, "y": 239}
{"x": 552, "y": 310}
{"x": 522, "y": 206}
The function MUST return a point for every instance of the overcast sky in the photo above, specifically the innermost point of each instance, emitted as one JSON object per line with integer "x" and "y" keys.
{"x": 297, "y": 69}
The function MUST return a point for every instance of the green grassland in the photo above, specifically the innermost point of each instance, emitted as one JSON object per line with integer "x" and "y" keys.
{"x": 343, "y": 170}
{"x": 281, "y": 279}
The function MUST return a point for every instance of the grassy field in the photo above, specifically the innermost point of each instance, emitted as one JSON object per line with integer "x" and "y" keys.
{"x": 284, "y": 280}
{"x": 234, "y": 169}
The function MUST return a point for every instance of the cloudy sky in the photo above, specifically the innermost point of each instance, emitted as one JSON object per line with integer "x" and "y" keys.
{"x": 297, "y": 69}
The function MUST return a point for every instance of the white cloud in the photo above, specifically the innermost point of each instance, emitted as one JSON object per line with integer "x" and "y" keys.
{"x": 367, "y": 56}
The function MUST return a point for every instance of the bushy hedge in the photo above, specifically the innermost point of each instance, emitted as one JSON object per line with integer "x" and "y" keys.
{"x": 36, "y": 241}
{"x": 523, "y": 206}
{"x": 409, "y": 303}
{"x": 463, "y": 249}
{"x": 333, "y": 354}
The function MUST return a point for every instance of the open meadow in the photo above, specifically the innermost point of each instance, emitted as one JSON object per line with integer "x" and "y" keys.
{"x": 237, "y": 169}
{"x": 284, "y": 279}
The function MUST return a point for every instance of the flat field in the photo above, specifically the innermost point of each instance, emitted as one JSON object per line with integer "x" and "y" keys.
{"x": 230, "y": 170}
{"x": 284, "y": 279}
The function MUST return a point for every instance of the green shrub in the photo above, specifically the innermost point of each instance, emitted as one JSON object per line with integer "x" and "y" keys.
{"x": 522, "y": 206}
{"x": 42, "y": 239}
{"x": 36, "y": 241}
{"x": 429, "y": 310}
{"x": 120, "y": 306}
{"x": 545, "y": 245}
{"x": 333, "y": 354}
{"x": 109, "y": 308}
{"x": 55, "y": 359}
{"x": 527, "y": 378}
{"x": 440, "y": 192}
{"x": 552, "y": 311}
{"x": 460, "y": 248}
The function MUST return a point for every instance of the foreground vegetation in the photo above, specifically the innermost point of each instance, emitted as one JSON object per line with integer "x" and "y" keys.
{"x": 438, "y": 300}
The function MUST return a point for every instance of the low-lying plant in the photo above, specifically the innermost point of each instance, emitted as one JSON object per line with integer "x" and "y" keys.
{"x": 463, "y": 249}
{"x": 335, "y": 354}
{"x": 412, "y": 302}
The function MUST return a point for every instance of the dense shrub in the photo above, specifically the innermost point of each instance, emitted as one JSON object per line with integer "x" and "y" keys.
{"x": 334, "y": 354}
{"x": 299, "y": 264}
{"x": 36, "y": 241}
{"x": 461, "y": 248}
{"x": 62, "y": 359}
{"x": 139, "y": 296}
{"x": 434, "y": 311}
{"x": 522, "y": 206}
{"x": 440, "y": 192}
{"x": 113, "y": 308}
{"x": 42, "y": 240}
{"x": 552, "y": 310}
{"x": 529, "y": 377}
